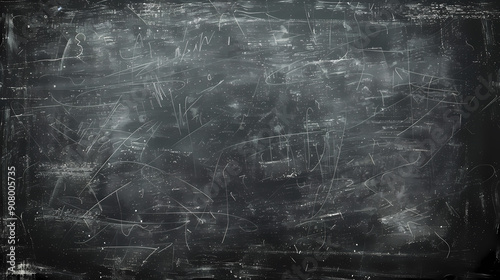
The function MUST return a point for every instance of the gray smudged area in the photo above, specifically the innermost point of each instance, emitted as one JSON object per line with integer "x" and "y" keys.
{"x": 252, "y": 140}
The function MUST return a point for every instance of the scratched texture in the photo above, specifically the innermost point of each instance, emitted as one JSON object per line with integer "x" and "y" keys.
{"x": 252, "y": 139}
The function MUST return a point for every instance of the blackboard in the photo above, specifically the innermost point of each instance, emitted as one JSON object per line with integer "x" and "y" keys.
{"x": 250, "y": 139}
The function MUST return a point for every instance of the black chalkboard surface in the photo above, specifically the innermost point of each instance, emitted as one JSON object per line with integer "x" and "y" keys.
{"x": 250, "y": 139}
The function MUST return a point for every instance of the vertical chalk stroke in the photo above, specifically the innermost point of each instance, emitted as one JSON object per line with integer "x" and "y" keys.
{"x": 250, "y": 139}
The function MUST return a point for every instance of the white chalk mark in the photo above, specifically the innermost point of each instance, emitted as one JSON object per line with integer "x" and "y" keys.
{"x": 335, "y": 168}
{"x": 428, "y": 112}
{"x": 492, "y": 101}
{"x": 214, "y": 6}
{"x": 239, "y": 25}
{"x": 185, "y": 237}
{"x": 220, "y": 19}
{"x": 449, "y": 248}
{"x": 146, "y": 259}
{"x": 227, "y": 204}
{"x": 371, "y": 158}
